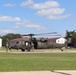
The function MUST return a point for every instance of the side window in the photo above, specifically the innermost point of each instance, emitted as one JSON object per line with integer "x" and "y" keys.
{"x": 17, "y": 42}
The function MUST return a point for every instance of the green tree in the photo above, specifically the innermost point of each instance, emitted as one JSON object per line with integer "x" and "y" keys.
{"x": 71, "y": 38}
{"x": 74, "y": 40}
{"x": 8, "y": 37}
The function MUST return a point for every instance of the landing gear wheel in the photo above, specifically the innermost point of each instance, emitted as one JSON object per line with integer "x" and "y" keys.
{"x": 22, "y": 50}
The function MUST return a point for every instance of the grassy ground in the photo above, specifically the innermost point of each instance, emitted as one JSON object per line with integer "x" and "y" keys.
{"x": 37, "y": 61}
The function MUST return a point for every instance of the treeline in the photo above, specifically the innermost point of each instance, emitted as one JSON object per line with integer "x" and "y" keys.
{"x": 8, "y": 37}
{"x": 71, "y": 36}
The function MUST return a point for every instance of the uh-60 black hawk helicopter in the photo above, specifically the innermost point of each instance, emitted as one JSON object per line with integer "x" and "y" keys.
{"x": 26, "y": 43}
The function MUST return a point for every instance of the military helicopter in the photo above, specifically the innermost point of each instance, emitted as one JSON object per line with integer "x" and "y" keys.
{"x": 26, "y": 43}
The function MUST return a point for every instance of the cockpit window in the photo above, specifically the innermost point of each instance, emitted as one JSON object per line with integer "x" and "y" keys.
{"x": 17, "y": 42}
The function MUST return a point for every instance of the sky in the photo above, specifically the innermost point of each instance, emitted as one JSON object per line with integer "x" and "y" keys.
{"x": 37, "y": 16}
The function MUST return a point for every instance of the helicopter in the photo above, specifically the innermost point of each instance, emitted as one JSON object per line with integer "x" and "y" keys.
{"x": 26, "y": 43}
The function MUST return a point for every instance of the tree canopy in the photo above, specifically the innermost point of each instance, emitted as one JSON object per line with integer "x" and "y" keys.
{"x": 72, "y": 36}
{"x": 8, "y": 37}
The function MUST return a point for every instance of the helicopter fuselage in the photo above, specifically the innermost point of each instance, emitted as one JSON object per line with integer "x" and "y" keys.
{"x": 26, "y": 44}
{"x": 20, "y": 44}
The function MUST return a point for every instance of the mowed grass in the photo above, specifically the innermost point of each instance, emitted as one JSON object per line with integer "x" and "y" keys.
{"x": 37, "y": 61}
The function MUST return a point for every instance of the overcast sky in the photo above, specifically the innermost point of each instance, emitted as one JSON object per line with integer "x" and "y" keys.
{"x": 37, "y": 16}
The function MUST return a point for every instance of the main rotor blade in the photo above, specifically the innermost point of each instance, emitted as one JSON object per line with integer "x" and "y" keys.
{"x": 40, "y": 34}
{"x": 46, "y": 33}
{"x": 50, "y": 35}
{"x": 54, "y": 35}
{"x": 28, "y": 35}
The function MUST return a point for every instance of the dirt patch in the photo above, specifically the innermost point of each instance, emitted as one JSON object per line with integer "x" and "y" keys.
{"x": 41, "y": 51}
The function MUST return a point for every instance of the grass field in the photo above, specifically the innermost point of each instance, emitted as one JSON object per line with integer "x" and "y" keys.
{"x": 37, "y": 61}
